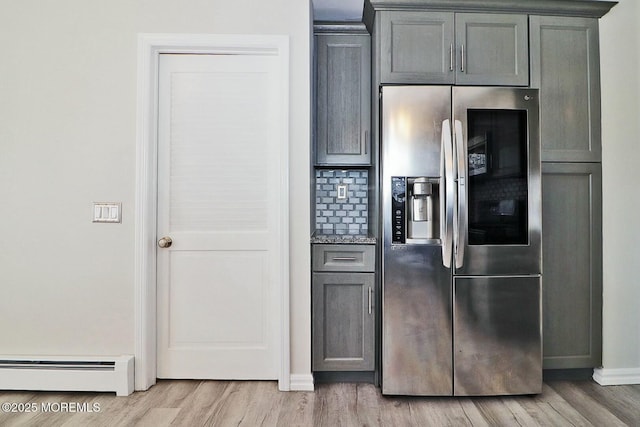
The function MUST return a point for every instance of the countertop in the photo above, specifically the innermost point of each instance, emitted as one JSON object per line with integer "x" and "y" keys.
{"x": 353, "y": 239}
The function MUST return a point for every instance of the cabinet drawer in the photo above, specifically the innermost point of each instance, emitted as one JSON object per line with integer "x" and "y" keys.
{"x": 344, "y": 257}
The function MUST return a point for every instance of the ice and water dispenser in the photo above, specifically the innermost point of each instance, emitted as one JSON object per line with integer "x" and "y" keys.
{"x": 416, "y": 210}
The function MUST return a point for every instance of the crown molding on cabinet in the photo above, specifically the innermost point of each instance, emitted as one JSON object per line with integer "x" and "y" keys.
{"x": 331, "y": 27}
{"x": 582, "y": 8}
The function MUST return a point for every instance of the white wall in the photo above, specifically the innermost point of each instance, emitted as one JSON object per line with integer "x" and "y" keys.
{"x": 620, "y": 77}
{"x": 67, "y": 139}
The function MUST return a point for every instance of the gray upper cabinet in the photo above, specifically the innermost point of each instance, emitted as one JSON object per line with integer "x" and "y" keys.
{"x": 572, "y": 265}
{"x": 492, "y": 49}
{"x": 565, "y": 67}
{"x": 343, "y": 99}
{"x": 417, "y": 47}
{"x": 454, "y": 48}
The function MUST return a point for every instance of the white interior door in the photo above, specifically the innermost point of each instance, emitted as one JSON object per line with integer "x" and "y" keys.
{"x": 219, "y": 200}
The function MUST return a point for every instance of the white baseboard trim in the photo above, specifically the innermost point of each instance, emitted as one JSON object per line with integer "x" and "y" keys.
{"x": 616, "y": 376}
{"x": 301, "y": 382}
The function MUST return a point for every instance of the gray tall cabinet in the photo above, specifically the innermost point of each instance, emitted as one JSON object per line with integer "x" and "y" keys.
{"x": 565, "y": 67}
{"x": 343, "y": 277}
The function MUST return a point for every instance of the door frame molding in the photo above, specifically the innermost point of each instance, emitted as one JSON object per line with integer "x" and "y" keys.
{"x": 150, "y": 46}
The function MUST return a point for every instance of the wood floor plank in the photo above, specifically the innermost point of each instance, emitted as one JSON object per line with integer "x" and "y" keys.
{"x": 437, "y": 411}
{"x": 519, "y": 412}
{"x": 248, "y": 403}
{"x": 472, "y": 412}
{"x": 336, "y": 405}
{"x": 19, "y": 417}
{"x": 367, "y": 407}
{"x": 545, "y": 413}
{"x": 558, "y": 410}
{"x": 500, "y": 412}
{"x": 297, "y": 409}
{"x": 165, "y": 394}
{"x": 205, "y": 401}
{"x": 592, "y": 409}
{"x": 265, "y": 403}
{"x": 230, "y": 407}
{"x": 623, "y": 401}
{"x": 394, "y": 411}
{"x": 158, "y": 417}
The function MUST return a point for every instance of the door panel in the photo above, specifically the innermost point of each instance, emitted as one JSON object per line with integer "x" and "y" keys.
{"x": 497, "y": 347}
{"x": 572, "y": 279}
{"x": 343, "y": 102}
{"x": 500, "y": 211}
{"x": 492, "y": 49}
{"x": 343, "y": 322}
{"x": 565, "y": 66}
{"x": 219, "y": 190}
{"x": 417, "y": 47}
{"x": 221, "y": 279}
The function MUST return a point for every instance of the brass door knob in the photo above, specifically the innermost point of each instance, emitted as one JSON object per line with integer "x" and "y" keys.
{"x": 165, "y": 242}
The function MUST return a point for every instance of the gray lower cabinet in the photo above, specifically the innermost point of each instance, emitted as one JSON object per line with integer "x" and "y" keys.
{"x": 565, "y": 67}
{"x": 454, "y": 48}
{"x": 343, "y": 308}
{"x": 343, "y": 322}
{"x": 343, "y": 99}
{"x": 572, "y": 265}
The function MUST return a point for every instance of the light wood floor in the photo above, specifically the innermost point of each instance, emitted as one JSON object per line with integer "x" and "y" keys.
{"x": 221, "y": 403}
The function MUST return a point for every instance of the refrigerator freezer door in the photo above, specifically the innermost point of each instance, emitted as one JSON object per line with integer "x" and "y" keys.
{"x": 416, "y": 330}
{"x": 416, "y": 287}
{"x": 497, "y": 336}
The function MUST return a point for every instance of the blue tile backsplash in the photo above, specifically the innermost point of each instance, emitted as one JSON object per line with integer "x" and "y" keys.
{"x": 349, "y": 215}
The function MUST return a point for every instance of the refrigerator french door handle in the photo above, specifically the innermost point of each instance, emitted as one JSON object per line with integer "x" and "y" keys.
{"x": 447, "y": 194}
{"x": 460, "y": 230}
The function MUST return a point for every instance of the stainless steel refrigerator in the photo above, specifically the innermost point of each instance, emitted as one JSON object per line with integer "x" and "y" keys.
{"x": 461, "y": 261}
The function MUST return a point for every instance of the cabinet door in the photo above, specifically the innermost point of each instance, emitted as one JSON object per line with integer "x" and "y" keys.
{"x": 343, "y": 322}
{"x": 343, "y": 100}
{"x": 565, "y": 67}
{"x": 416, "y": 47}
{"x": 572, "y": 265}
{"x": 492, "y": 49}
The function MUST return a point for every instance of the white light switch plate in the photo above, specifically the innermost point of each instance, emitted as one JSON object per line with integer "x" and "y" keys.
{"x": 107, "y": 212}
{"x": 342, "y": 191}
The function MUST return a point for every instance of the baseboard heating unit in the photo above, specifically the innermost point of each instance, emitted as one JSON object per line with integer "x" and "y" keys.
{"x": 59, "y": 373}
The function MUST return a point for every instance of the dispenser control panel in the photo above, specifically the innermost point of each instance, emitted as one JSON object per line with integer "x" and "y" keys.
{"x": 398, "y": 197}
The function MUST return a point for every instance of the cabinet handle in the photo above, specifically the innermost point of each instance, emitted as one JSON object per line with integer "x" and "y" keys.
{"x": 366, "y": 141}
{"x": 462, "y": 58}
{"x": 370, "y": 291}
{"x": 451, "y": 57}
{"x": 344, "y": 258}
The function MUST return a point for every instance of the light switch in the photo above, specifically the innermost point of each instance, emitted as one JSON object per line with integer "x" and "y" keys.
{"x": 342, "y": 191}
{"x": 107, "y": 212}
